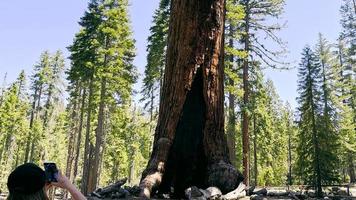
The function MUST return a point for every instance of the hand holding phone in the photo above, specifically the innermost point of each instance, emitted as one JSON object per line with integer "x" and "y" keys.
{"x": 51, "y": 171}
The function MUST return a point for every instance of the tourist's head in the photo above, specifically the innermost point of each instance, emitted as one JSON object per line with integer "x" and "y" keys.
{"x": 27, "y": 182}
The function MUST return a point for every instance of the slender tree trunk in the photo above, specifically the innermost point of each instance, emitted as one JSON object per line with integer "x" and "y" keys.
{"x": 289, "y": 155}
{"x": 72, "y": 134}
{"x": 79, "y": 139}
{"x": 99, "y": 136}
{"x": 231, "y": 128}
{"x": 190, "y": 146}
{"x": 91, "y": 167}
{"x": 37, "y": 113}
{"x": 131, "y": 171}
{"x": 317, "y": 175}
{"x": 245, "y": 115}
{"x": 29, "y": 137}
{"x": 86, "y": 167}
{"x": 255, "y": 151}
{"x": 48, "y": 106}
{"x": 351, "y": 168}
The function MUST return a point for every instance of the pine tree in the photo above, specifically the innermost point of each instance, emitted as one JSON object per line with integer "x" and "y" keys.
{"x": 102, "y": 56}
{"x": 309, "y": 160}
{"x": 54, "y": 85}
{"x": 347, "y": 63}
{"x": 328, "y": 121}
{"x": 39, "y": 79}
{"x": 156, "y": 58}
{"x": 342, "y": 89}
{"x": 233, "y": 55}
{"x": 13, "y": 127}
{"x": 254, "y": 23}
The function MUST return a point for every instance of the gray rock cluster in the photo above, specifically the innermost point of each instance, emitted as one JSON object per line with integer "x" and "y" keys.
{"x": 214, "y": 193}
{"x": 116, "y": 191}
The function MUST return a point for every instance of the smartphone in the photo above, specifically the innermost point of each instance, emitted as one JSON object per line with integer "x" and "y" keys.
{"x": 51, "y": 171}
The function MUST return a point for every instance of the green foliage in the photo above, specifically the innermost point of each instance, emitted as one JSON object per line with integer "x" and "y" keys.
{"x": 270, "y": 126}
{"x": 13, "y": 127}
{"x": 128, "y": 146}
{"x": 260, "y": 24}
{"x": 37, "y": 124}
{"x": 156, "y": 48}
{"x": 318, "y": 142}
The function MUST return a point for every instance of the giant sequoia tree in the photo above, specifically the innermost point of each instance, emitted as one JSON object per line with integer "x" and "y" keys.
{"x": 190, "y": 147}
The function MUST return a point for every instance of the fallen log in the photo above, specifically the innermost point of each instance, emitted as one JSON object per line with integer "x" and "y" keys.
{"x": 239, "y": 192}
{"x": 277, "y": 194}
{"x": 262, "y": 192}
{"x": 102, "y": 192}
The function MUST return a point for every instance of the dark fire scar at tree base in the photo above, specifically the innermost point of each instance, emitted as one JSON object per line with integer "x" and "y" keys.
{"x": 190, "y": 146}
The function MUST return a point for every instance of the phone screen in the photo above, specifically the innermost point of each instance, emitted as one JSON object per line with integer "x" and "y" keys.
{"x": 51, "y": 171}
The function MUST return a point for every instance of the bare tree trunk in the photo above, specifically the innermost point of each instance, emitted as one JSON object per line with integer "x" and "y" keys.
{"x": 351, "y": 169}
{"x": 85, "y": 178}
{"x": 289, "y": 155}
{"x": 231, "y": 127}
{"x": 29, "y": 137}
{"x": 72, "y": 134}
{"x": 91, "y": 183}
{"x": 79, "y": 139}
{"x": 99, "y": 136}
{"x": 245, "y": 116}
{"x": 47, "y": 113}
{"x": 255, "y": 151}
{"x": 190, "y": 146}
{"x": 37, "y": 113}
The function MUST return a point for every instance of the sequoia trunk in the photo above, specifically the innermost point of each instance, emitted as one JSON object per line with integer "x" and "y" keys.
{"x": 190, "y": 146}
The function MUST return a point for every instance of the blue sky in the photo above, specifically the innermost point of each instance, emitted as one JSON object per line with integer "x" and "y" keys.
{"x": 27, "y": 28}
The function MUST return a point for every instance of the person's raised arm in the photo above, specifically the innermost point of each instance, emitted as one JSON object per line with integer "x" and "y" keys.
{"x": 63, "y": 182}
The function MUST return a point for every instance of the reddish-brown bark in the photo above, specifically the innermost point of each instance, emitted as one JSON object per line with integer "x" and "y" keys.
{"x": 190, "y": 146}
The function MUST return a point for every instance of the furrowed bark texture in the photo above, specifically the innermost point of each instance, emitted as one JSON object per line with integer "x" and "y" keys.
{"x": 190, "y": 147}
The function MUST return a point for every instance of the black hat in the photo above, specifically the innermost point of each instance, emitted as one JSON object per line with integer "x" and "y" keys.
{"x": 26, "y": 179}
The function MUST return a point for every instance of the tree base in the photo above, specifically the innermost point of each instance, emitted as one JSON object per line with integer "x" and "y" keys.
{"x": 223, "y": 176}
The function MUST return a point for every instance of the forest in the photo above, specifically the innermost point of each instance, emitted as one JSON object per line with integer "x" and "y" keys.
{"x": 88, "y": 118}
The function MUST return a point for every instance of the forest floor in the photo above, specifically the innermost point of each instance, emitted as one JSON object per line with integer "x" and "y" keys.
{"x": 352, "y": 193}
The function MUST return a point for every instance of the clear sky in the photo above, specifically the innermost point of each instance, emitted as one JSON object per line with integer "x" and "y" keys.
{"x": 27, "y": 28}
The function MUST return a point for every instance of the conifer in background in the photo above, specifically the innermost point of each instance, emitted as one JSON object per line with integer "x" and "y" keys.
{"x": 310, "y": 110}
{"x": 255, "y": 23}
{"x": 156, "y": 58}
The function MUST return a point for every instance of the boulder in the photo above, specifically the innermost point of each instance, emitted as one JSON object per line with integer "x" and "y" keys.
{"x": 193, "y": 193}
{"x": 257, "y": 197}
{"x": 214, "y": 192}
{"x": 249, "y": 190}
{"x": 262, "y": 191}
{"x": 239, "y": 192}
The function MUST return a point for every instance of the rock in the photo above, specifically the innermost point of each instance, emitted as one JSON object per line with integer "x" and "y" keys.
{"x": 193, "y": 193}
{"x": 121, "y": 194}
{"x": 206, "y": 194}
{"x": 249, "y": 190}
{"x": 342, "y": 193}
{"x": 311, "y": 193}
{"x": 134, "y": 190}
{"x": 262, "y": 191}
{"x": 94, "y": 194}
{"x": 277, "y": 194}
{"x": 239, "y": 192}
{"x": 214, "y": 192}
{"x": 110, "y": 190}
{"x": 300, "y": 195}
{"x": 335, "y": 189}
